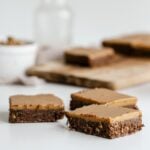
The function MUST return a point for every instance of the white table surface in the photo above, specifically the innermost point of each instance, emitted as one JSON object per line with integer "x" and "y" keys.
{"x": 56, "y": 136}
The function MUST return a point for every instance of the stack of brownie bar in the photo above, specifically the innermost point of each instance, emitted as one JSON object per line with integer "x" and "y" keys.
{"x": 104, "y": 113}
{"x": 99, "y": 111}
{"x": 130, "y": 45}
{"x": 108, "y": 114}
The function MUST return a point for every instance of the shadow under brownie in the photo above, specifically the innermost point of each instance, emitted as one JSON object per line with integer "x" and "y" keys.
{"x": 37, "y": 108}
{"x": 101, "y": 96}
{"x": 105, "y": 121}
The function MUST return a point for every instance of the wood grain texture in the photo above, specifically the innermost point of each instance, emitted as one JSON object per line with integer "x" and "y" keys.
{"x": 124, "y": 73}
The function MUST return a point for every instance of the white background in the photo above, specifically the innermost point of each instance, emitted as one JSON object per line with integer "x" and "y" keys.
{"x": 94, "y": 19}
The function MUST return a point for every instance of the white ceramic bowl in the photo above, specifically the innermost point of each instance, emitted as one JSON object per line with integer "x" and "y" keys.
{"x": 15, "y": 59}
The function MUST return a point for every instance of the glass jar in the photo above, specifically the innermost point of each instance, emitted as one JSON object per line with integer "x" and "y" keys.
{"x": 53, "y": 25}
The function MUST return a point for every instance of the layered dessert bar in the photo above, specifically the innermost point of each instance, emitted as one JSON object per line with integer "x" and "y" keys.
{"x": 90, "y": 57}
{"x": 35, "y": 108}
{"x": 105, "y": 121}
{"x": 101, "y": 96}
{"x": 134, "y": 44}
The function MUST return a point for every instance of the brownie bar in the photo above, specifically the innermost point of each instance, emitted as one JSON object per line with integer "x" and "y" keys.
{"x": 90, "y": 56}
{"x": 35, "y": 108}
{"x": 135, "y": 44}
{"x": 101, "y": 96}
{"x": 105, "y": 121}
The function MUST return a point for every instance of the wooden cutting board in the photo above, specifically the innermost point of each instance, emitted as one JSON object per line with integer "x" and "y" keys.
{"x": 124, "y": 73}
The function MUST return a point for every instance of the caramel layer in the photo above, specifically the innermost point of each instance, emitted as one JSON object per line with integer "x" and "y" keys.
{"x": 43, "y": 101}
{"x": 104, "y": 96}
{"x": 104, "y": 113}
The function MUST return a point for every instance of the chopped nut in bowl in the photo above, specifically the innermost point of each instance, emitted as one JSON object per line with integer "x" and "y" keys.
{"x": 15, "y": 57}
{"x": 13, "y": 41}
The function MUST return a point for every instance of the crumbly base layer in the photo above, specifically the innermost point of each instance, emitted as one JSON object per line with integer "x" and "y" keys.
{"x": 29, "y": 116}
{"x": 104, "y": 129}
{"x": 74, "y": 104}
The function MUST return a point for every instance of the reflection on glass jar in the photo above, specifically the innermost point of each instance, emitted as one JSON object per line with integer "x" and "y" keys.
{"x": 53, "y": 24}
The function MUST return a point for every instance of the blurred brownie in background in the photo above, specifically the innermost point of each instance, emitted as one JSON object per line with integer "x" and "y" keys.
{"x": 89, "y": 57}
{"x": 134, "y": 44}
{"x": 38, "y": 108}
{"x": 101, "y": 96}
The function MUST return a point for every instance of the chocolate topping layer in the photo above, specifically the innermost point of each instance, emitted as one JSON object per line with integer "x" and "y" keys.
{"x": 42, "y": 101}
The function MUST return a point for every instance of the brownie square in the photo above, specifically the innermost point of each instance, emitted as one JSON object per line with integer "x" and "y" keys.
{"x": 90, "y": 57}
{"x": 105, "y": 121}
{"x": 134, "y": 44}
{"x": 35, "y": 108}
{"x": 101, "y": 96}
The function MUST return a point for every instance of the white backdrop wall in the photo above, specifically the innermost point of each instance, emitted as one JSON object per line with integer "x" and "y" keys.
{"x": 94, "y": 19}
